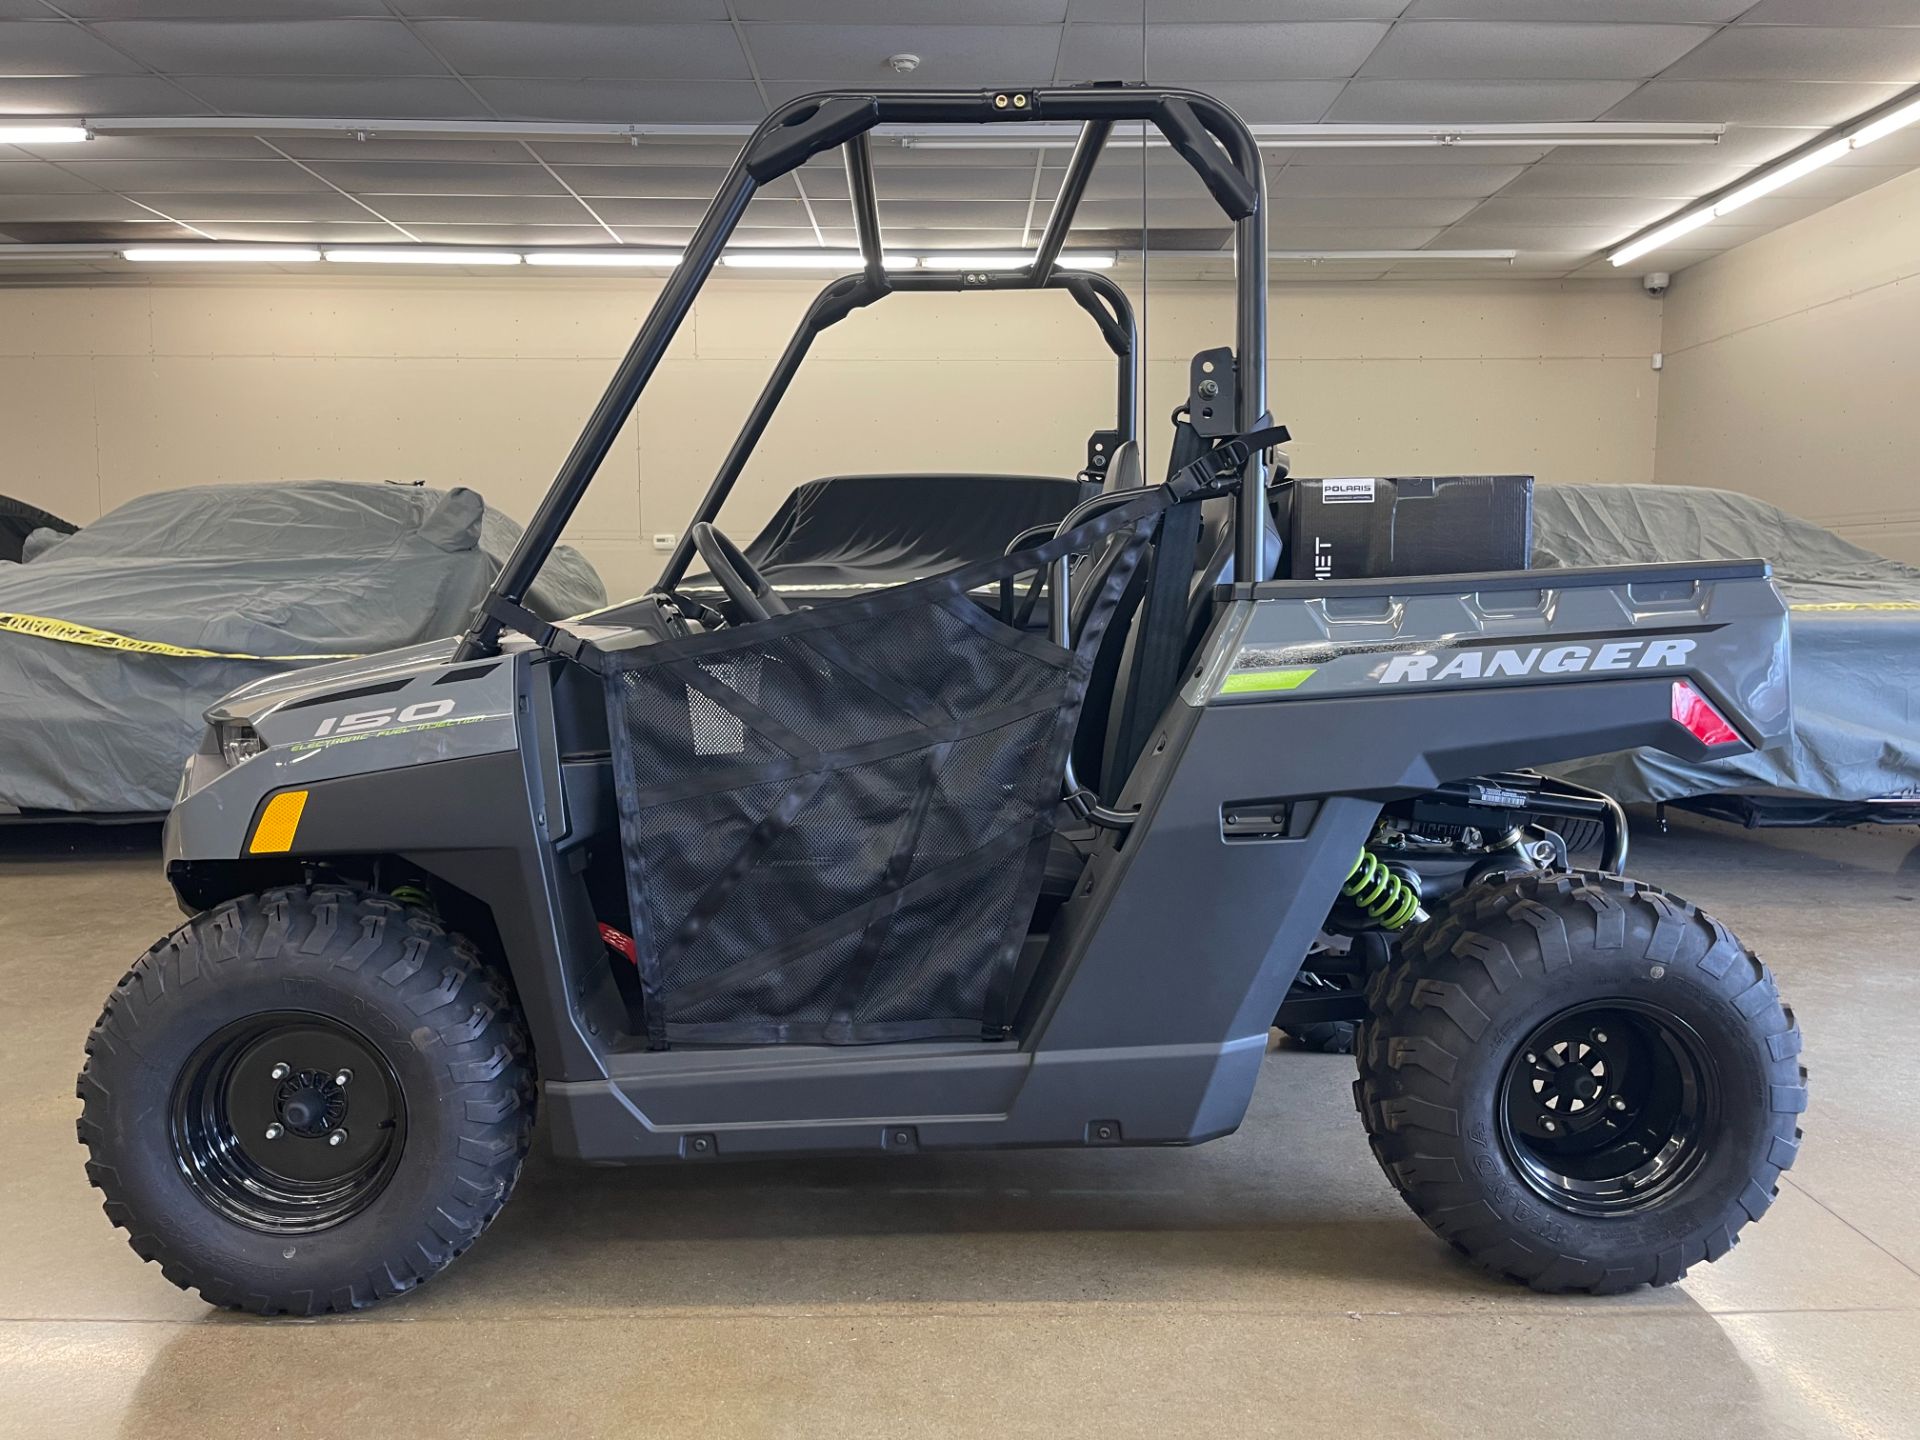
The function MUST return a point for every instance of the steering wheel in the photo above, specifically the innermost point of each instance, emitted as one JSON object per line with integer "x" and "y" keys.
{"x": 746, "y": 587}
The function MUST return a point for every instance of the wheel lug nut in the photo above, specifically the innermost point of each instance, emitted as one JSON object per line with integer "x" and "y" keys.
{"x": 344, "y": 1078}
{"x": 1600, "y": 1037}
{"x": 1618, "y": 1103}
{"x": 274, "y": 1132}
{"x": 280, "y": 1072}
{"x": 1532, "y": 1059}
{"x": 338, "y": 1137}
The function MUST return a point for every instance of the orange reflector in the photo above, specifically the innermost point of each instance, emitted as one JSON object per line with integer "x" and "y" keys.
{"x": 274, "y": 834}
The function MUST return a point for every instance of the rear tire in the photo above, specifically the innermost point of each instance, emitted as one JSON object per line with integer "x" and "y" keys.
{"x": 306, "y": 1101}
{"x": 1580, "y": 1082}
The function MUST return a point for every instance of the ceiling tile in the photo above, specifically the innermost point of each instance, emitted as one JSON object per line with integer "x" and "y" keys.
{"x": 1278, "y": 102}
{"x": 1357, "y": 210}
{"x": 506, "y": 233}
{"x": 348, "y": 97}
{"x": 1804, "y": 52}
{"x": 1352, "y": 237}
{"x": 96, "y": 96}
{"x": 1522, "y": 50}
{"x": 1668, "y": 182}
{"x": 403, "y": 177}
{"x": 163, "y": 147}
{"x": 715, "y": 154}
{"x": 762, "y": 211}
{"x": 94, "y": 206}
{"x": 620, "y": 102}
{"x": 1832, "y": 12}
{"x": 481, "y": 209}
{"x": 93, "y": 232}
{"x": 587, "y": 10}
{"x": 272, "y": 47}
{"x": 1734, "y": 101}
{"x": 1622, "y": 215}
{"x": 241, "y": 206}
{"x": 964, "y": 55}
{"x": 960, "y": 185}
{"x": 1421, "y": 102}
{"x": 570, "y": 51}
{"x": 1423, "y": 181}
{"x": 1702, "y": 12}
{"x": 1206, "y": 12}
{"x": 53, "y": 47}
{"x": 265, "y": 174}
{"x": 215, "y": 9}
{"x": 905, "y": 12}
{"x": 37, "y": 177}
{"x": 1204, "y": 54}
{"x": 647, "y": 182}
{"x": 365, "y": 231}
{"x": 1560, "y": 238}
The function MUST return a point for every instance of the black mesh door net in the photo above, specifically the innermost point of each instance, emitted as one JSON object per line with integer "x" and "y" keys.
{"x": 835, "y": 821}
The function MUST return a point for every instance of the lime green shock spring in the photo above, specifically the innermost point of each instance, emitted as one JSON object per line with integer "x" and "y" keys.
{"x": 1382, "y": 896}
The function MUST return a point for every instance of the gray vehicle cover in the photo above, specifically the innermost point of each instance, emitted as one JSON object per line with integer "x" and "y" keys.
{"x": 1855, "y": 627}
{"x": 307, "y": 569}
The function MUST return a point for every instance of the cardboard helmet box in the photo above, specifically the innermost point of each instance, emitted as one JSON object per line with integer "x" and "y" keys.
{"x": 1353, "y": 528}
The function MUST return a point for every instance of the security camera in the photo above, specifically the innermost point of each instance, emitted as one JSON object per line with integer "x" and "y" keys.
{"x": 1655, "y": 282}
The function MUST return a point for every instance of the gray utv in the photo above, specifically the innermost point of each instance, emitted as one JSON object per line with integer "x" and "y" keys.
{"x": 1029, "y": 852}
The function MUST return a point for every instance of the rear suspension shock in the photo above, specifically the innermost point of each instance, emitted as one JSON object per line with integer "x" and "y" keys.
{"x": 1382, "y": 896}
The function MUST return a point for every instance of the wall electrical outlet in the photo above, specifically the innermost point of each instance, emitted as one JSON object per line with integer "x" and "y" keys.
{"x": 664, "y": 540}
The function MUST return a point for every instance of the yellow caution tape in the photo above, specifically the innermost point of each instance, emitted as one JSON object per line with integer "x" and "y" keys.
{"x": 1860, "y": 605}
{"x": 42, "y": 627}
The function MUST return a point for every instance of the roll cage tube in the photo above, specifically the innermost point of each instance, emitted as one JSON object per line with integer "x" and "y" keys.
{"x": 1096, "y": 294}
{"x": 1204, "y": 132}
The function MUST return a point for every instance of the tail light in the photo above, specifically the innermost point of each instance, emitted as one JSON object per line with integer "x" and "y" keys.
{"x": 1696, "y": 715}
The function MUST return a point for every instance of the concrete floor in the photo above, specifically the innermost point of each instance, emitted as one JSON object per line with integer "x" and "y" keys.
{"x": 1269, "y": 1281}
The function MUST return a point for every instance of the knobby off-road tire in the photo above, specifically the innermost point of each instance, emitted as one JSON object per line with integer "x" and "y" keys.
{"x": 1329, "y": 1037}
{"x": 250, "y": 1013}
{"x": 1607, "y": 972}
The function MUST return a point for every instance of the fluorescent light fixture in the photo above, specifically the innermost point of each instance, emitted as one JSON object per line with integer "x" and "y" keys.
{"x": 1665, "y": 235}
{"x": 1360, "y": 137}
{"x": 621, "y": 259}
{"x": 420, "y": 255}
{"x": 43, "y": 134}
{"x": 1391, "y": 256}
{"x": 221, "y": 254}
{"x": 976, "y": 262}
{"x": 848, "y": 260}
{"x": 1879, "y": 129}
{"x": 1772, "y": 180}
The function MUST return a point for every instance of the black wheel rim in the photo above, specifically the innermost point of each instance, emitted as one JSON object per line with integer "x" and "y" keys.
{"x": 1609, "y": 1108}
{"x": 288, "y": 1122}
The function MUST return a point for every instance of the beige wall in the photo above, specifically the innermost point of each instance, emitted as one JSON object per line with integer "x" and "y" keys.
{"x": 107, "y": 392}
{"x": 1793, "y": 370}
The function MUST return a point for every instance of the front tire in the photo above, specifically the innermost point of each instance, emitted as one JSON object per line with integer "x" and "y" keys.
{"x": 306, "y": 1101}
{"x": 1580, "y": 1082}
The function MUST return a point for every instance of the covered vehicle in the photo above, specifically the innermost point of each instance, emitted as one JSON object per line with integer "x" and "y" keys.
{"x": 20, "y": 521}
{"x": 1855, "y": 625}
{"x": 850, "y": 533}
{"x": 115, "y": 639}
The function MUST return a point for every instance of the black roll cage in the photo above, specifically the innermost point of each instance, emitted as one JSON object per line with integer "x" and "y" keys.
{"x": 1207, "y": 134}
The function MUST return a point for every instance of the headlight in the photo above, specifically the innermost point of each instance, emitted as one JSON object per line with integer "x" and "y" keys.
{"x": 238, "y": 741}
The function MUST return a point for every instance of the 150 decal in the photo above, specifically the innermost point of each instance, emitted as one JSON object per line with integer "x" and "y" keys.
{"x": 415, "y": 714}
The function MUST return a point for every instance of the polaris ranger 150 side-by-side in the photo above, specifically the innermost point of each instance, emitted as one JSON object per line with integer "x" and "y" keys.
{"x": 1028, "y": 852}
